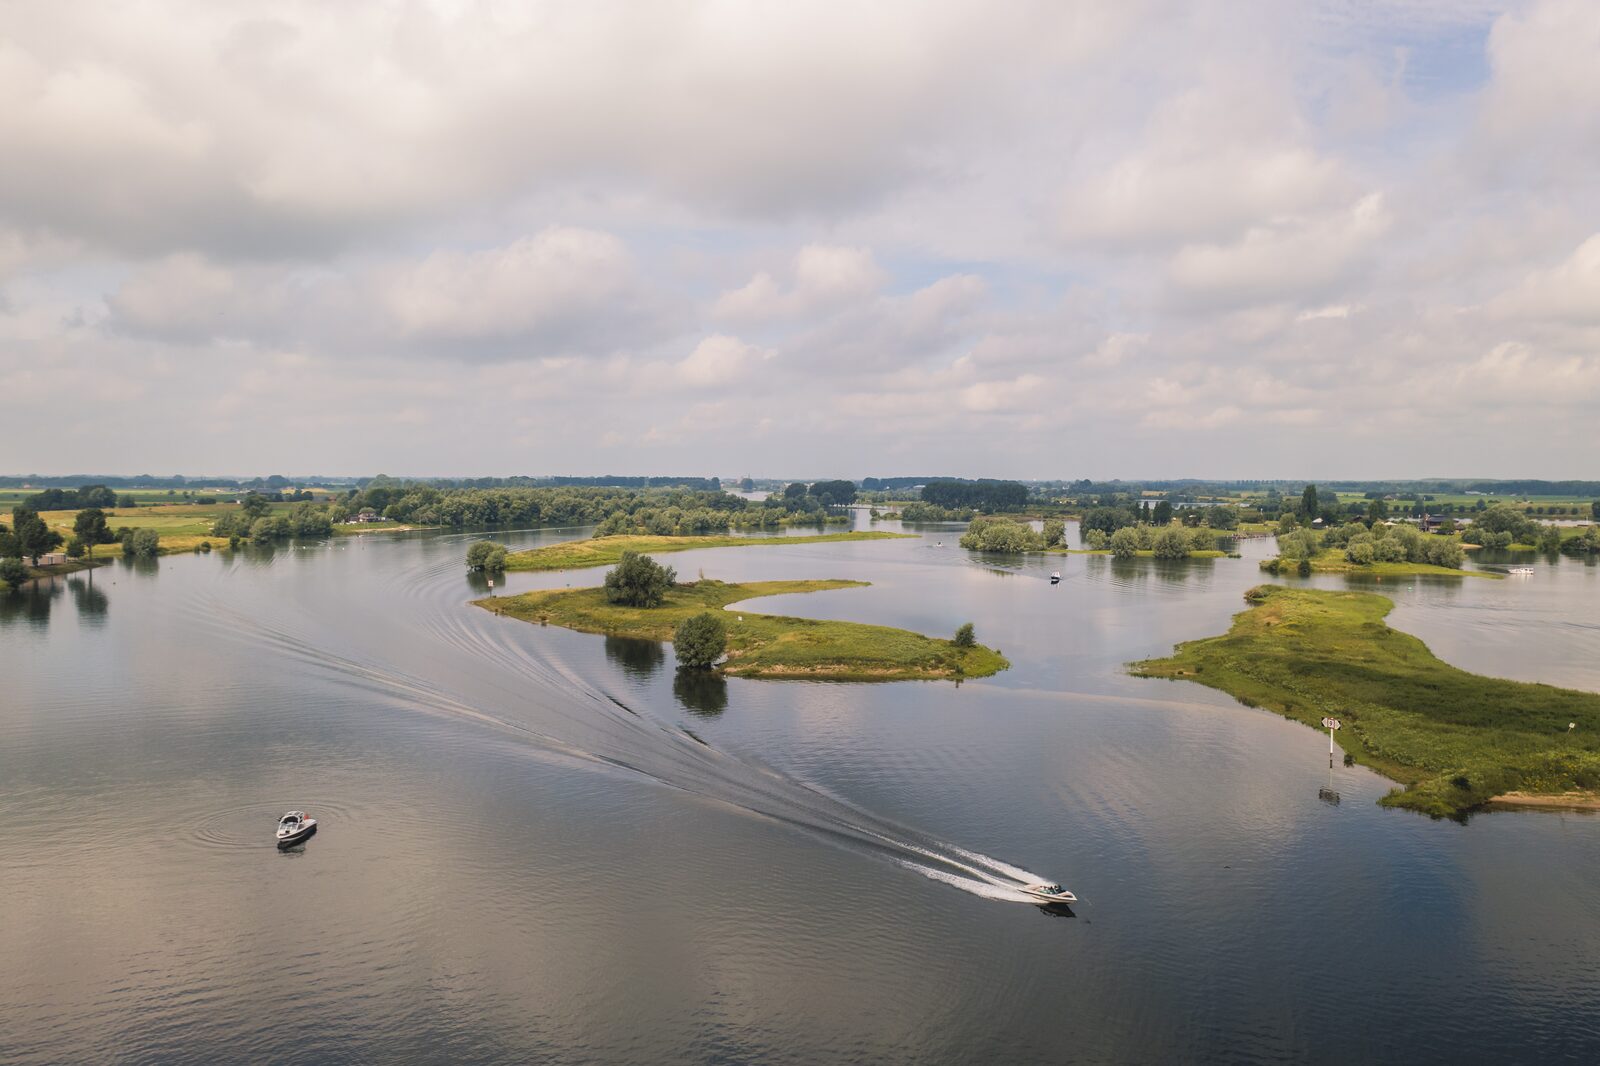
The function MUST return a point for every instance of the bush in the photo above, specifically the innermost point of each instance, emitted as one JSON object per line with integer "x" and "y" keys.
{"x": 965, "y": 637}
{"x": 1305, "y": 568}
{"x": 12, "y": 571}
{"x": 1170, "y": 543}
{"x": 1096, "y": 539}
{"x": 1055, "y": 532}
{"x": 1124, "y": 543}
{"x": 639, "y": 581}
{"x": 1001, "y": 535}
{"x": 145, "y": 543}
{"x": 700, "y": 640}
{"x": 486, "y": 555}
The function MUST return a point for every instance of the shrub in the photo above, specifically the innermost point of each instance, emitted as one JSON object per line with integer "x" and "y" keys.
{"x": 1124, "y": 543}
{"x": 12, "y": 571}
{"x": 1305, "y": 568}
{"x": 1096, "y": 539}
{"x": 639, "y": 581}
{"x": 1055, "y": 531}
{"x": 1170, "y": 543}
{"x": 965, "y": 637}
{"x": 486, "y": 555}
{"x": 145, "y": 543}
{"x": 700, "y": 640}
{"x": 1000, "y": 535}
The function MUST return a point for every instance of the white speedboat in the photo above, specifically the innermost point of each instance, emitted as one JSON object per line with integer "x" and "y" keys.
{"x": 1520, "y": 571}
{"x": 1049, "y": 894}
{"x": 1055, "y": 577}
{"x": 295, "y": 827}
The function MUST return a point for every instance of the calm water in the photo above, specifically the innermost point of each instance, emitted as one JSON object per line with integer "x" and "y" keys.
{"x": 542, "y": 846}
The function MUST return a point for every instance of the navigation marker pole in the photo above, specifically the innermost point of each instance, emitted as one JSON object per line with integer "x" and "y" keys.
{"x": 1330, "y": 724}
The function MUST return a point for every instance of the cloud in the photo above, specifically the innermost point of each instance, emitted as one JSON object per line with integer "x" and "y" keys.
{"x": 1568, "y": 292}
{"x": 719, "y": 359}
{"x": 824, "y": 278}
{"x": 561, "y": 289}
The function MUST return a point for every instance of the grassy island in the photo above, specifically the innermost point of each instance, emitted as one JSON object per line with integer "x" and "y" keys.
{"x": 764, "y": 645}
{"x": 1456, "y": 740}
{"x": 607, "y": 551}
{"x": 1333, "y": 561}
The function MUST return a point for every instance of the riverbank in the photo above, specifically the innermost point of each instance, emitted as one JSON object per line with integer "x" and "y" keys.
{"x": 1456, "y": 740}
{"x": 763, "y": 645}
{"x": 607, "y": 551}
{"x": 1143, "y": 553}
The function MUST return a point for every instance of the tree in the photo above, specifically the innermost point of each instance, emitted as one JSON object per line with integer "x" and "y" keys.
{"x": 91, "y": 528}
{"x": 12, "y": 572}
{"x": 34, "y": 538}
{"x": 127, "y": 501}
{"x": 1105, "y": 519}
{"x": 1377, "y": 511}
{"x": 700, "y": 640}
{"x": 795, "y": 490}
{"x": 965, "y": 636}
{"x": 1162, "y": 513}
{"x": 639, "y": 581}
{"x": 834, "y": 493}
{"x": 746, "y": 485}
{"x": 1055, "y": 531}
{"x": 1170, "y": 543}
{"x": 1308, "y": 503}
{"x": 145, "y": 543}
{"x": 1222, "y": 517}
{"x": 1594, "y": 510}
{"x": 486, "y": 555}
{"x": 1124, "y": 543}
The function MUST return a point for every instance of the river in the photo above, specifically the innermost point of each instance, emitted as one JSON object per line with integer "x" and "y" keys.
{"x": 539, "y": 845}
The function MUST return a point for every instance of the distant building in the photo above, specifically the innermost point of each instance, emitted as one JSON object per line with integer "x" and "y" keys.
{"x": 367, "y": 514}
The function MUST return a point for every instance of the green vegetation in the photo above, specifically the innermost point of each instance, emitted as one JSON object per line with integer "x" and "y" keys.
{"x": 769, "y": 646}
{"x": 917, "y": 511}
{"x": 607, "y": 551}
{"x": 700, "y": 640}
{"x": 1354, "y": 548}
{"x": 1002, "y": 535}
{"x": 965, "y": 637}
{"x": 486, "y": 555}
{"x": 638, "y": 581}
{"x": 1455, "y": 739}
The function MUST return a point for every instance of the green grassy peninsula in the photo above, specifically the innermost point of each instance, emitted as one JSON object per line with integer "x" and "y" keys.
{"x": 607, "y": 551}
{"x": 1456, "y": 740}
{"x": 764, "y": 645}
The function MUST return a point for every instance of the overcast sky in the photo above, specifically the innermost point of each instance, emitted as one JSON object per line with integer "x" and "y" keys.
{"x": 1233, "y": 239}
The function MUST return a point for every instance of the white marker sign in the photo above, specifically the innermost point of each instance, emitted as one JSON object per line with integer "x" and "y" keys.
{"x": 1330, "y": 723}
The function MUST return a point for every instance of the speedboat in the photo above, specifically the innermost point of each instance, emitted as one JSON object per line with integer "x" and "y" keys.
{"x": 1049, "y": 894}
{"x": 295, "y": 827}
{"x": 1520, "y": 571}
{"x": 1055, "y": 577}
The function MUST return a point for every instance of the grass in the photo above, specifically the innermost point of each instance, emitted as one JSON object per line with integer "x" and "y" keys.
{"x": 1454, "y": 739}
{"x": 1332, "y": 561}
{"x": 764, "y": 645}
{"x": 606, "y": 551}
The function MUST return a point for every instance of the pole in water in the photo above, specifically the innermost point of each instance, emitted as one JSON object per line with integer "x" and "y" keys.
{"x": 1330, "y": 724}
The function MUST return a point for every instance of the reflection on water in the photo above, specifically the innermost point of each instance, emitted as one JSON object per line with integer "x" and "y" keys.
{"x": 701, "y": 692}
{"x": 637, "y": 658}
{"x": 90, "y": 599}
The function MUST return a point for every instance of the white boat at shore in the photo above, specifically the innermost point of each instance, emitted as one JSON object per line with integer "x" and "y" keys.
{"x": 1520, "y": 571}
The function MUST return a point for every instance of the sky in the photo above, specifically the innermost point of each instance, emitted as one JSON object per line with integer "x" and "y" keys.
{"x": 1277, "y": 239}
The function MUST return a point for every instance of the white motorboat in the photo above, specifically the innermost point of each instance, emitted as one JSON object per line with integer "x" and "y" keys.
{"x": 1049, "y": 894}
{"x": 295, "y": 827}
{"x": 1055, "y": 577}
{"x": 1520, "y": 571}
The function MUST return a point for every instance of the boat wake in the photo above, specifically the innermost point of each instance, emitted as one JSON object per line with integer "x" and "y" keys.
{"x": 518, "y": 689}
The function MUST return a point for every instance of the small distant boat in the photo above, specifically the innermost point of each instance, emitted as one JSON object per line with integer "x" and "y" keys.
{"x": 295, "y": 827}
{"x": 1055, "y": 577}
{"x": 1049, "y": 894}
{"x": 1520, "y": 571}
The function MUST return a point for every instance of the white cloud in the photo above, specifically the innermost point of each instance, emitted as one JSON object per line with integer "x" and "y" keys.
{"x": 720, "y": 359}
{"x": 1568, "y": 292}
{"x": 825, "y": 278}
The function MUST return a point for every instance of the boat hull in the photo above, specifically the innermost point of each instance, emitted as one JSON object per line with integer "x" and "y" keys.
{"x": 304, "y": 833}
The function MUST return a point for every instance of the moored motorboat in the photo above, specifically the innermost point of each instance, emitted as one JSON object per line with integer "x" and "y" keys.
{"x": 1520, "y": 571}
{"x": 1052, "y": 894}
{"x": 295, "y": 827}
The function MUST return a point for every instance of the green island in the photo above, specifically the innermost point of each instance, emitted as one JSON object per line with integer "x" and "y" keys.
{"x": 1336, "y": 561}
{"x": 763, "y": 645}
{"x": 1455, "y": 740}
{"x": 606, "y": 551}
